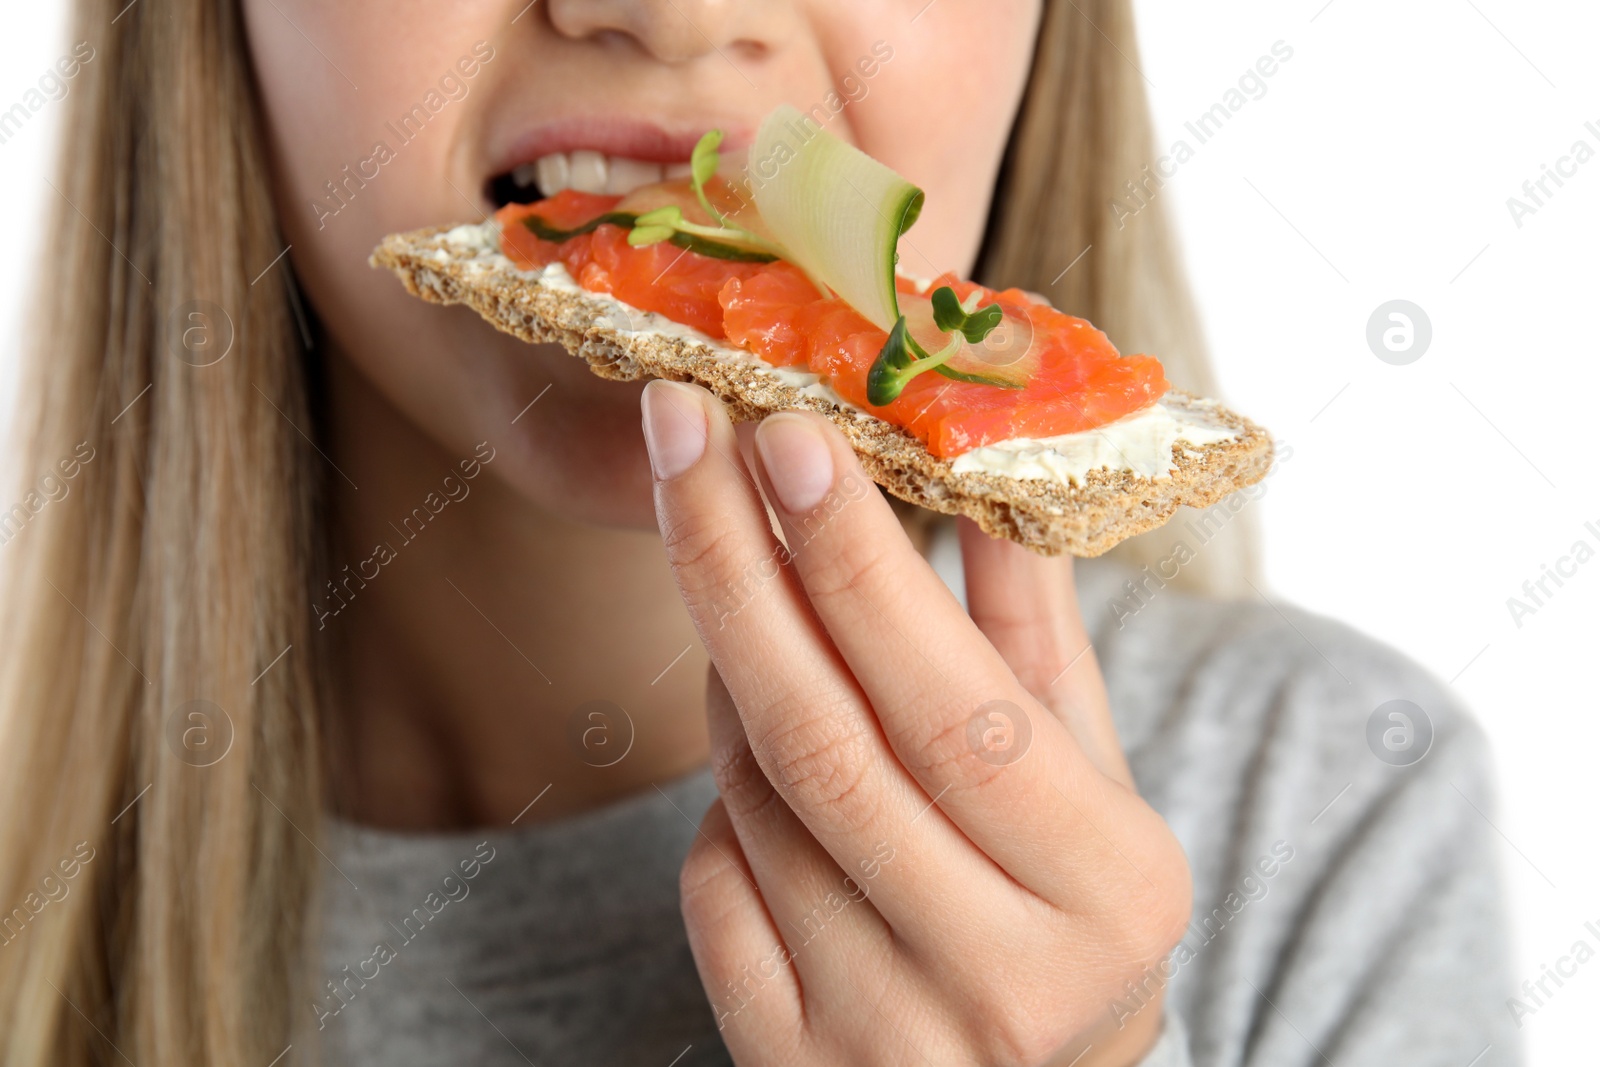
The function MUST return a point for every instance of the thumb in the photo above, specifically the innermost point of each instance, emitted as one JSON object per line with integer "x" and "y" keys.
{"x": 1027, "y": 606}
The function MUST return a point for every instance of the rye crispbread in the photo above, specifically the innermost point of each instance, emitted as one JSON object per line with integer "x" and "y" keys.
{"x": 463, "y": 265}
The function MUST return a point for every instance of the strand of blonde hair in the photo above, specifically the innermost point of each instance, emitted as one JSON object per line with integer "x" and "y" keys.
{"x": 176, "y": 570}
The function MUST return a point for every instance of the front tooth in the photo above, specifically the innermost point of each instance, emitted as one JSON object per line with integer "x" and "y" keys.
{"x": 524, "y": 175}
{"x": 677, "y": 170}
{"x": 587, "y": 172}
{"x": 626, "y": 175}
{"x": 553, "y": 173}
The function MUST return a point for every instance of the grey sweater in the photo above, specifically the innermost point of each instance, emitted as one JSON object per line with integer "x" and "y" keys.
{"x": 1347, "y": 907}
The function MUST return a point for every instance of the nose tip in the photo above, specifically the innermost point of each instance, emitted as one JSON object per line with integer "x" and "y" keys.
{"x": 676, "y": 39}
{"x": 672, "y": 31}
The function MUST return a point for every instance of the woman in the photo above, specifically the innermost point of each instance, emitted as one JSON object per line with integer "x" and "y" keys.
{"x": 359, "y": 710}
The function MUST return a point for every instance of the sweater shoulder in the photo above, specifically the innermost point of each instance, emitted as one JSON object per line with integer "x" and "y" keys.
{"x": 1235, "y": 682}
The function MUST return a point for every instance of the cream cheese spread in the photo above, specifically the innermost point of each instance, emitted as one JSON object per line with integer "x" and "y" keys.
{"x": 1142, "y": 442}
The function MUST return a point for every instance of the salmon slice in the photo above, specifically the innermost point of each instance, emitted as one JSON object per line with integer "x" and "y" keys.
{"x": 774, "y": 311}
{"x": 663, "y": 278}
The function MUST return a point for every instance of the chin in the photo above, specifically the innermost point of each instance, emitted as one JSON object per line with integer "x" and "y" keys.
{"x": 578, "y": 452}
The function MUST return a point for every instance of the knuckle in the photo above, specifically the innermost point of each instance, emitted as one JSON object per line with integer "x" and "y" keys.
{"x": 941, "y": 745}
{"x": 946, "y": 755}
{"x": 853, "y": 565}
{"x": 1028, "y": 1020}
{"x": 1017, "y": 1036}
{"x": 741, "y": 782}
{"x": 692, "y": 542}
{"x": 1164, "y": 910}
{"x": 822, "y": 763}
{"x": 1143, "y": 914}
{"x": 1027, "y": 1025}
{"x": 1040, "y": 658}
{"x": 709, "y": 886}
{"x": 705, "y": 555}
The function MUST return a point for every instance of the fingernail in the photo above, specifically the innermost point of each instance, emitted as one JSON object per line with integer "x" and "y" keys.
{"x": 674, "y": 427}
{"x": 797, "y": 459}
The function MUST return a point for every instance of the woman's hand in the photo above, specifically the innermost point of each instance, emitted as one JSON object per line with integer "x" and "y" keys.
{"x": 927, "y": 849}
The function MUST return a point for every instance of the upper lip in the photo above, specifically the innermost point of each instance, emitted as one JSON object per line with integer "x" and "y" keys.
{"x": 650, "y": 142}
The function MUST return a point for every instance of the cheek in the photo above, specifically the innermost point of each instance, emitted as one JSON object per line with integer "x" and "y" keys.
{"x": 351, "y": 165}
{"x": 360, "y": 127}
{"x": 940, "y": 111}
{"x": 447, "y": 373}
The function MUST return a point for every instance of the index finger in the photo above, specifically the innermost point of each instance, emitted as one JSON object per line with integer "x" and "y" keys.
{"x": 809, "y": 725}
{"x": 1039, "y": 807}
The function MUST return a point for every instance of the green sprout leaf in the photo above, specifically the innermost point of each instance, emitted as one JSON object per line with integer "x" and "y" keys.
{"x": 703, "y": 164}
{"x": 649, "y": 235}
{"x": 948, "y": 314}
{"x": 951, "y": 316}
{"x": 899, "y": 360}
{"x": 981, "y": 322}
{"x": 670, "y": 216}
{"x": 893, "y": 368}
{"x": 902, "y": 358}
{"x": 726, "y": 240}
{"x": 703, "y": 161}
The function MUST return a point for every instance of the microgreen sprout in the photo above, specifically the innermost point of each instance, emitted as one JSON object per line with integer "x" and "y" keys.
{"x": 666, "y": 223}
{"x": 703, "y": 164}
{"x": 954, "y": 316}
{"x": 903, "y": 358}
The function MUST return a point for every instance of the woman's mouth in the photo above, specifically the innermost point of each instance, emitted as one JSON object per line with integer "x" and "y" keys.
{"x": 584, "y": 170}
{"x": 602, "y": 154}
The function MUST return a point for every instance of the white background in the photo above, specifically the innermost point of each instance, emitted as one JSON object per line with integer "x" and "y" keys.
{"x": 1377, "y": 166}
{"x": 1421, "y": 497}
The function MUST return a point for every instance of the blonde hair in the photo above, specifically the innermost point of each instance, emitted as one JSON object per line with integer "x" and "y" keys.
{"x": 182, "y": 568}
{"x": 177, "y": 569}
{"x": 1082, "y": 137}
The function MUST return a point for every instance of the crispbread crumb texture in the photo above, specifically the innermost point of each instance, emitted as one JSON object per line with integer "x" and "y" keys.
{"x": 1046, "y": 516}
